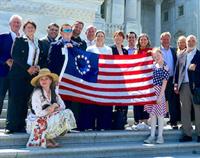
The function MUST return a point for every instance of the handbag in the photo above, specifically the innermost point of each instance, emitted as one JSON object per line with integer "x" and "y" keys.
{"x": 196, "y": 96}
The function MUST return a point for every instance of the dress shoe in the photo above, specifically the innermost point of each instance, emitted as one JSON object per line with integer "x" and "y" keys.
{"x": 21, "y": 130}
{"x": 185, "y": 138}
{"x": 174, "y": 127}
{"x": 7, "y": 131}
{"x": 198, "y": 139}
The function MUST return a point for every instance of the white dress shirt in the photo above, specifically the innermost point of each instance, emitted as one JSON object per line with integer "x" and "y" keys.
{"x": 33, "y": 48}
{"x": 190, "y": 56}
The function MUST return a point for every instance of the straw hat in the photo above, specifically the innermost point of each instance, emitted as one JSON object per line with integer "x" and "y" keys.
{"x": 44, "y": 72}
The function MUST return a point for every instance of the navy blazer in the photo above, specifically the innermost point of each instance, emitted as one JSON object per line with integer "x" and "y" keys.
{"x": 20, "y": 52}
{"x": 6, "y": 42}
{"x": 45, "y": 45}
{"x": 55, "y": 58}
{"x": 173, "y": 50}
{"x": 194, "y": 76}
{"x": 115, "y": 51}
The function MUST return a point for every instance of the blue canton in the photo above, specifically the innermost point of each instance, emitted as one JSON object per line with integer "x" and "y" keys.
{"x": 82, "y": 64}
{"x": 159, "y": 74}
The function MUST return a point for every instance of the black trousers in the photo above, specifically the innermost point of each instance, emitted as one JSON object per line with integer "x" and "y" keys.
{"x": 4, "y": 85}
{"x": 19, "y": 94}
{"x": 104, "y": 117}
{"x": 88, "y": 116}
{"x": 173, "y": 102}
{"x": 119, "y": 117}
{"x": 96, "y": 117}
{"x": 139, "y": 113}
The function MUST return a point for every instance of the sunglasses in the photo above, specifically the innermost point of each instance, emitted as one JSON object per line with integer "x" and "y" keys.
{"x": 67, "y": 30}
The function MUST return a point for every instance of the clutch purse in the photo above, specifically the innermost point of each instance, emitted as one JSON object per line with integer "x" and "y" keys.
{"x": 45, "y": 106}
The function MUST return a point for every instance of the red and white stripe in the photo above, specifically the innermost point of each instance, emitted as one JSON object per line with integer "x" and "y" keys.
{"x": 122, "y": 80}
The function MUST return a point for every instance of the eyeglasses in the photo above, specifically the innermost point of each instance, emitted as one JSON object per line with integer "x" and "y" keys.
{"x": 67, "y": 30}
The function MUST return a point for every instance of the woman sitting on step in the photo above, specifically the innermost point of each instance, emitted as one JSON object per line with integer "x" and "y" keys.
{"x": 52, "y": 119}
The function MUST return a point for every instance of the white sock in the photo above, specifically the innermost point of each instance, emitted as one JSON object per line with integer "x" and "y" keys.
{"x": 160, "y": 125}
{"x": 153, "y": 125}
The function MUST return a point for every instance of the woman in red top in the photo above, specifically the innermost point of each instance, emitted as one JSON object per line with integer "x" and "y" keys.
{"x": 141, "y": 116}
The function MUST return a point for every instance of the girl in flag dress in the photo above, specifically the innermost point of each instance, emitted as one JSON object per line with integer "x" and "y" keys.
{"x": 158, "y": 111}
{"x": 51, "y": 117}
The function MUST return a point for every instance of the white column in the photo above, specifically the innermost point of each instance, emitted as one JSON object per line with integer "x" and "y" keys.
{"x": 108, "y": 10}
{"x": 133, "y": 16}
{"x": 117, "y": 15}
{"x": 157, "y": 21}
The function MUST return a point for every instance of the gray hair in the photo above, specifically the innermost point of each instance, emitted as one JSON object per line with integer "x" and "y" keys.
{"x": 90, "y": 26}
{"x": 191, "y": 36}
{"x": 165, "y": 34}
{"x": 15, "y": 16}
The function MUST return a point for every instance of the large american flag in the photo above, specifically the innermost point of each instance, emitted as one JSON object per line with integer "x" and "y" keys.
{"x": 107, "y": 79}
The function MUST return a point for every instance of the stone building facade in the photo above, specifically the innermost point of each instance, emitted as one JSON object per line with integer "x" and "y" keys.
{"x": 180, "y": 17}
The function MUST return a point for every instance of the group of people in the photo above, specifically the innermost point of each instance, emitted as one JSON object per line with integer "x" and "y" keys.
{"x": 30, "y": 69}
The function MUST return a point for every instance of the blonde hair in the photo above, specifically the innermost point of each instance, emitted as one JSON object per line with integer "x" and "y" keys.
{"x": 180, "y": 38}
{"x": 155, "y": 50}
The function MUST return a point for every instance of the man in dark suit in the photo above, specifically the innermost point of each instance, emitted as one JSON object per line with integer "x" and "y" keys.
{"x": 27, "y": 60}
{"x": 6, "y": 61}
{"x": 77, "y": 29}
{"x": 187, "y": 78}
{"x": 52, "y": 33}
{"x": 169, "y": 55}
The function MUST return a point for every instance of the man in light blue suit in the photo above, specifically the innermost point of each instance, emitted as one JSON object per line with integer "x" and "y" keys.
{"x": 6, "y": 41}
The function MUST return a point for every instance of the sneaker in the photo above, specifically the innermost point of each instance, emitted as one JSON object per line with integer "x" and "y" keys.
{"x": 160, "y": 140}
{"x": 150, "y": 140}
{"x": 142, "y": 126}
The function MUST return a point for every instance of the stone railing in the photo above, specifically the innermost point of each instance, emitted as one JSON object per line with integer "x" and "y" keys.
{"x": 110, "y": 29}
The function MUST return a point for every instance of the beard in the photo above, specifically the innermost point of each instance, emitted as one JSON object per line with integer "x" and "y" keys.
{"x": 191, "y": 48}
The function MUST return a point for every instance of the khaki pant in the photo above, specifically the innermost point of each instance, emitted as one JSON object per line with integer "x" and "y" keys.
{"x": 186, "y": 107}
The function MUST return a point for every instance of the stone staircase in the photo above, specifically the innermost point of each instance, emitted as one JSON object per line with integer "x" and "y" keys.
{"x": 106, "y": 144}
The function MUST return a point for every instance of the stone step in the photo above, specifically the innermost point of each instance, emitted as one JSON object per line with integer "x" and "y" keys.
{"x": 76, "y": 138}
{"x": 2, "y": 123}
{"x": 117, "y": 144}
{"x": 130, "y": 122}
{"x": 5, "y": 104}
{"x": 3, "y": 113}
{"x": 127, "y": 150}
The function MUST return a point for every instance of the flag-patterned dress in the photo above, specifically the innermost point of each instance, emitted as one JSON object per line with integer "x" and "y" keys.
{"x": 159, "y": 74}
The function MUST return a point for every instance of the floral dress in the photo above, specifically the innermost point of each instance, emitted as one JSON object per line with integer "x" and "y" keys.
{"x": 46, "y": 126}
{"x": 159, "y": 74}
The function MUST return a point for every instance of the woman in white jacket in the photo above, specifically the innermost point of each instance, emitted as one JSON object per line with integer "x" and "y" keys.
{"x": 52, "y": 119}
